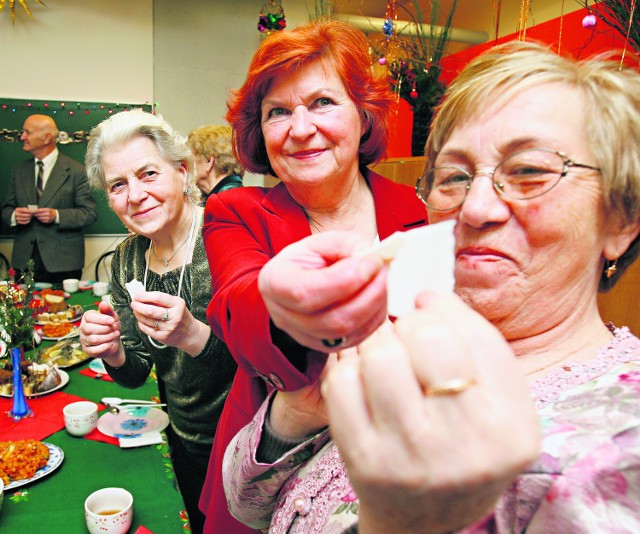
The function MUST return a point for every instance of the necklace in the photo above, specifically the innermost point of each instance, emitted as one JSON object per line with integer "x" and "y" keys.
{"x": 162, "y": 260}
{"x": 184, "y": 265}
{"x": 546, "y": 366}
{"x": 590, "y": 343}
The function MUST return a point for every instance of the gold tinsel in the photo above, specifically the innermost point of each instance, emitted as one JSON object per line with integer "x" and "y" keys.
{"x": 12, "y": 7}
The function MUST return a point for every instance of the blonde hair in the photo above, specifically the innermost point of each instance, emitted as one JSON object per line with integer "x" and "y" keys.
{"x": 215, "y": 141}
{"x": 611, "y": 116}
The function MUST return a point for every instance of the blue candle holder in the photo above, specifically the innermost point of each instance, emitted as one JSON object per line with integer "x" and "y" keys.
{"x": 20, "y": 408}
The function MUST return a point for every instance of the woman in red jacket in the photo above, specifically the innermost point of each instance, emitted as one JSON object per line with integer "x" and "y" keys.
{"x": 311, "y": 113}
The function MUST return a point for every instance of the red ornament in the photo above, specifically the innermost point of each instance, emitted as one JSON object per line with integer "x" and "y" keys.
{"x": 589, "y": 21}
{"x": 413, "y": 94}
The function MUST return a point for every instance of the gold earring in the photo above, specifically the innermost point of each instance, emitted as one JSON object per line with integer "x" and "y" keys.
{"x": 611, "y": 270}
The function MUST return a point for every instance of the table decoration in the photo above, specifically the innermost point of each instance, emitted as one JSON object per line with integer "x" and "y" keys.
{"x": 16, "y": 331}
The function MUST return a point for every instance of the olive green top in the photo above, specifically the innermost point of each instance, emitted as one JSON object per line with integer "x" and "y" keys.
{"x": 195, "y": 386}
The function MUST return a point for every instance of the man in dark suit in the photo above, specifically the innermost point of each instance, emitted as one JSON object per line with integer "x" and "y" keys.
{"x": 49, "y": 203}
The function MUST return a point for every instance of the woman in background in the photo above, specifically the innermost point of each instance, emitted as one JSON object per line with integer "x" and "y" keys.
{"x": 311, "y": 113}
{"x": 146, "y": 170}
{"x": 216, "y": 167}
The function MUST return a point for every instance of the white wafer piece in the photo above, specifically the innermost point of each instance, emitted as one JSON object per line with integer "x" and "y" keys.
{"x": 419, "y": 259}
{"x": 134, "y": 287}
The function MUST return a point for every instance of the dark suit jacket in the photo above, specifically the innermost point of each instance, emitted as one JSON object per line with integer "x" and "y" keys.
{"x": 67, "y": 190}
{"x": 244, "y": 228}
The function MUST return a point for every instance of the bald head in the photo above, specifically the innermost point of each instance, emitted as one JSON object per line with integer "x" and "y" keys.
{"x": 39, "y": 135}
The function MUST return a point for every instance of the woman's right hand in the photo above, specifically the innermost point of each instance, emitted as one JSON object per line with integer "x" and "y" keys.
{"x": 100, "y": 335}
{"x": 319, "y": 288}
{"x": 433, "y": 419}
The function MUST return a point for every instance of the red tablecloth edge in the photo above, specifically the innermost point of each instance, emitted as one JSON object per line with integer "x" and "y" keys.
{"x": 92, "y": 374}
{"x": 47, "y": 417}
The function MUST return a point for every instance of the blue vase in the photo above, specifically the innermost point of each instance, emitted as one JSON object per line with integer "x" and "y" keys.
{"x": 20, "y": 407}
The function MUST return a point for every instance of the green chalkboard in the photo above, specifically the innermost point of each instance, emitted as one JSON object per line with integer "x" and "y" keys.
{"x": 74, "y": 118}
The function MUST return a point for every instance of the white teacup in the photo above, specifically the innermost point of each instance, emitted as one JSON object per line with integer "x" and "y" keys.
{"x": 71, "y": 285}
{"x": 80, "y": 418}
{"x": 109, "y": 511}
{"x": 100, "y": 288}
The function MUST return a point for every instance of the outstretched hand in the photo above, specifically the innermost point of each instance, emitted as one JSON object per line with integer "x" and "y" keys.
{"x": 433, "y": 419}
{"x": 320, "y": 288}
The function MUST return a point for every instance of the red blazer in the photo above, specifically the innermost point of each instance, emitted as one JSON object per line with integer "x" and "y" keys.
{"x": 243, "y": 229}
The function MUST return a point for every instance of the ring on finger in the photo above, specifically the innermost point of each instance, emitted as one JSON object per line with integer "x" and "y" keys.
{"x": 155, "y": 326}
{"x": 166, "y": 314}
{"x": 333, "y": 343}
{"x": 448, "y": 387}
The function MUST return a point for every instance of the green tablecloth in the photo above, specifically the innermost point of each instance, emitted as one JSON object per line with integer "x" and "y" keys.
{"x": 55, "y": 503}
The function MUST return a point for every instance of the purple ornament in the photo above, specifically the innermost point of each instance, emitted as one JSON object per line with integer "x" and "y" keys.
{"x": 589, "y": 21}
{"x": 382, "y": 61}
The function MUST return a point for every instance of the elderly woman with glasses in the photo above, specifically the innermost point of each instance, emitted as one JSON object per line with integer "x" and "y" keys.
{"x": 437, "y": 420}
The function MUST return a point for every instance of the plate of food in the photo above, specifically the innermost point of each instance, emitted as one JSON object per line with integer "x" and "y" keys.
{"x": 25, "y": 461}
{"x": 65, "y": 313}
{"x": 134, "y": 422}
{"x": 65, "y": 353}
{"x": 57, "y": 331}
{"x": 38, "y": 379}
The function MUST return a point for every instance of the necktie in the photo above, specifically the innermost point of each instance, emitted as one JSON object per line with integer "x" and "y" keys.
{"x": 40, "y": 179}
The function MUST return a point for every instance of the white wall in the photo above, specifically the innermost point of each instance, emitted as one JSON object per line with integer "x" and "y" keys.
{"x": 85, "y": 50}
{"x": 201, "y": 50}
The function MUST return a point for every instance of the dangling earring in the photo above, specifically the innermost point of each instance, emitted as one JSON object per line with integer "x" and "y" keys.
{"x": 611, "y": 270}
{"x": 186, "y": 192}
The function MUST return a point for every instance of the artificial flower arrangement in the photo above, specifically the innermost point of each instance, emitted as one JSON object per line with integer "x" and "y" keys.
{"x": 16, "y": 313}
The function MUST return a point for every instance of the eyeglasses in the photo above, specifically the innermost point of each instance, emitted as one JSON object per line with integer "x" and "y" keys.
{"x": 523, "y": 175}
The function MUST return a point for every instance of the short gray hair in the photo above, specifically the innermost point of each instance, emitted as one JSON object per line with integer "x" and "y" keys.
{"x": 127, "y": 125}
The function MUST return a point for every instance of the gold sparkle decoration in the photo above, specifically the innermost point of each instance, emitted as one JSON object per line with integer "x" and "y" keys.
{"x": 12, "y": 8}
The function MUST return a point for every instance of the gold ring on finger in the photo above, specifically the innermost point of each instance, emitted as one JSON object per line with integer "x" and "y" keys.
{"x": 448, "y": 387}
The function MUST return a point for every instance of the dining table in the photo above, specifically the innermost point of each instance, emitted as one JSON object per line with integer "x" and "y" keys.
{"x": 54, "y": 503}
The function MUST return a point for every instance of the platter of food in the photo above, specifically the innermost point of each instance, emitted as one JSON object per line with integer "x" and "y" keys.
{"x": 50, "y": 307}
{"x": 57, "y": 331}
{"x": 37, "y": 379}
{"x": 133, "y": 423}
{"x": 69, "y": 314}
{"x": 65, "y": 353}
{"x": 25, "y": 461}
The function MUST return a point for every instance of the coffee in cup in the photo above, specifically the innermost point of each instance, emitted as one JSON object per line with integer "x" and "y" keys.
{"x": 109, "y": 511}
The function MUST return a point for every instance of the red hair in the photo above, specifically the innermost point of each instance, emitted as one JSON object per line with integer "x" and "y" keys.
{"x": 341, "y": 46}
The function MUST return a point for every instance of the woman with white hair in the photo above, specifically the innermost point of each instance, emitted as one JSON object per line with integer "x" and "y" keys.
{"x": 147, "y": 172}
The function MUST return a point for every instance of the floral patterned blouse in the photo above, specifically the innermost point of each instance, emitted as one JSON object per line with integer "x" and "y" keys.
{"x": 587, "y": 478}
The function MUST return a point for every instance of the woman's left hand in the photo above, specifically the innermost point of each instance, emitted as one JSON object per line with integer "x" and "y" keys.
{"x": 167, "y": 320}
